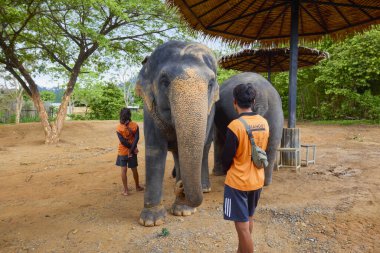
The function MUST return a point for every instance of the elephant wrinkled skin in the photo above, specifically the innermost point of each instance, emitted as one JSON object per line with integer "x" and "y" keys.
{"x": 178, "y": 86}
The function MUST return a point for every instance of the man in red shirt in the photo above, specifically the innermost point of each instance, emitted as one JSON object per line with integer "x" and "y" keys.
{"x": 244, "y": 180}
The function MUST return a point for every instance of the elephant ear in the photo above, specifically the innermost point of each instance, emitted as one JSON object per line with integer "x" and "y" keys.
{"x": 143, "y": 87}
{"x": 214, "y": 96}
{"x": 210, "y": 61}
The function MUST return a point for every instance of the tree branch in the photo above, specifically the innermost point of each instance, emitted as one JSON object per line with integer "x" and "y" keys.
{"x": 19, "y": 79}
{"x": 46, "y": 49}
{"x": 17, "y": 33}
{"x": 140, "y": 35}
{"x": 75, "y": 39}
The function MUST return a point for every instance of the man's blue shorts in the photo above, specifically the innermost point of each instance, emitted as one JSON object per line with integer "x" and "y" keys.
{"x": 239, "y": 205}
{"x": 124, "y": 161}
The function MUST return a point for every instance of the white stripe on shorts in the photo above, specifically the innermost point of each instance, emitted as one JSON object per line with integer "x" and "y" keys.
{"x": 227, "y": 207}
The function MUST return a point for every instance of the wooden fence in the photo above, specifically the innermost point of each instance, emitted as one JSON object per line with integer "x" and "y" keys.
{"x": 7, "y": 117}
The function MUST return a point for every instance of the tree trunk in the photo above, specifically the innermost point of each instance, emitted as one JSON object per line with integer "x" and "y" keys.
{"x": 52, "y": 130}
{"x": 19, "y": 101}
{"x": 62, "y": 111}
{"x": 49, "y": 129}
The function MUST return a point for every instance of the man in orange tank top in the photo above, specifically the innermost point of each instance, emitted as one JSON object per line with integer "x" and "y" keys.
{"x": 244, "y": 180}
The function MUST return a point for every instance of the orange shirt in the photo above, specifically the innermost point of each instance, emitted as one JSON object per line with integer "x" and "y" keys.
{"x": 243, "y": 174}
{"x": 128, "y": 134}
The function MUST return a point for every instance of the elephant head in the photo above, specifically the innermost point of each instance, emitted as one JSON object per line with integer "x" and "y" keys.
{"x": 179, "y": 88}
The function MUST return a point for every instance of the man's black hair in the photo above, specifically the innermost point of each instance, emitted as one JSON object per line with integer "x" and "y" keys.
{"x": 244, "y": 94}
{"x": 125, "y": 115}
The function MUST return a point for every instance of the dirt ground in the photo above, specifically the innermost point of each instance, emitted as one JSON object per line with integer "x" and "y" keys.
{"x": 66, "y": 197}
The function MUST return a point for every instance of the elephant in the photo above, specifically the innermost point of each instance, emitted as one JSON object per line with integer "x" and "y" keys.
{"x": 178, "y": 85}
{"x": 267, "y": 103}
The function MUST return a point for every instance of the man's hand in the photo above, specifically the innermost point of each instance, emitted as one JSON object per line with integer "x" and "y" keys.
{"x": 136, "y": 151}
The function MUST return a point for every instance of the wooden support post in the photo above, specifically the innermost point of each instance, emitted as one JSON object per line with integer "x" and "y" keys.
{"x": 290, "y": 139}
{"x": 292, "y": 103}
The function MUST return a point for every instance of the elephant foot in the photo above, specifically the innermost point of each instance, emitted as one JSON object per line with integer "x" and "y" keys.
{"x": 218, "y": 172}
{"x": 152, "y": 216}
{"x": 182, "y": 210}
{"x": 206, "y": 188}
{"x": 179, "y": 208}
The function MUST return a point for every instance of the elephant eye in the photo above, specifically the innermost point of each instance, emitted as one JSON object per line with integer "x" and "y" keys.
{"x": 211, "y": 83}
{"x": 164, "y": 81}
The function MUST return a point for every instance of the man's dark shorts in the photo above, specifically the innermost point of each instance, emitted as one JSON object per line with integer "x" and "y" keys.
{"x": 124, "y": 161}
{"x": 239, "y": 205}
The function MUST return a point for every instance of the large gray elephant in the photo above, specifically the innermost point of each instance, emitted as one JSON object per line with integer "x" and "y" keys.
{"x": 179, "y": 89}
{"x": 267, "y": 104}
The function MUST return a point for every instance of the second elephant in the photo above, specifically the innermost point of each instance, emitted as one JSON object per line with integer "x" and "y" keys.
{"x": 267, "y": 104}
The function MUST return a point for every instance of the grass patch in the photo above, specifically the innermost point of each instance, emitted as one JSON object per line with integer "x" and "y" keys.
{"x": 29, "y": 119}
{"x": 347, "y": 122}
{"x": 164, "y": 232}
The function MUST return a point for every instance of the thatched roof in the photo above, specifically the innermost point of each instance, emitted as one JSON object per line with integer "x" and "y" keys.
{"x": 275, "y": 59}
{"x": 269, "y": 20}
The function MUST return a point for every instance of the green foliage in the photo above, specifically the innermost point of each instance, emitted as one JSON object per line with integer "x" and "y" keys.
{"x": 23, "y": 119}
{"x": 224, "y": 74}
{"x": 137, "y": 100}
{"x": 71, "y": 40}
{"x": 345, "y": 86}
{"x": 108, "y": 104}
{"x": 86, "y": 94}
{"x": 47, "y": 96}
{"x": 104, "y": 102}
{"x": 78, "y": 117}
{"x": 138, "y": 116}
{"x": 28, "y": 119}
{"x": 164, "y": 232}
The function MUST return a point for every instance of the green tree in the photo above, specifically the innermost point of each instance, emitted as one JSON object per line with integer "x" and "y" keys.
{"x": 70, "y": 38}
{"x": 108, "y": 104}
{"x": 86, "y": 93}
{"x": 47, "y": 96}
{"x": 350, "y": 77}
{"x": 224, "y": 74}
{"x": 344, "y": 86}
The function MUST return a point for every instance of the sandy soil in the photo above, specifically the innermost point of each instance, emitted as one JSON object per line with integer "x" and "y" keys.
{"x": 66, "y": 197}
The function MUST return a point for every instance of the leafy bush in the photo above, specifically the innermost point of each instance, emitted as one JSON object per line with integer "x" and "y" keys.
{"x": 78, "y": 117}
{"x": 28, "y": 119}
{"x": 138, "y": 116}
{"x": 108, "y": 104}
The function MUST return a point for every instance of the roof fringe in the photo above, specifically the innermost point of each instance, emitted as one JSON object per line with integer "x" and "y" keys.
{"x": 191, "y": 22}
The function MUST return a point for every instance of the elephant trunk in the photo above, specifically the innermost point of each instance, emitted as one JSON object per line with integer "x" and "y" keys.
{"x": 189, "y": 105}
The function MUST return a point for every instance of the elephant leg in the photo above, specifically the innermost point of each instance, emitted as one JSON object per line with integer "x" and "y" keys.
{"x": 154, "y": 212}
{"x": 275, "y": 129}
{"x": 218, "y": 151}
{"x": 176, "y": 164}
{"x": 176, "y": 170}
{"x": 206, "y": 185}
